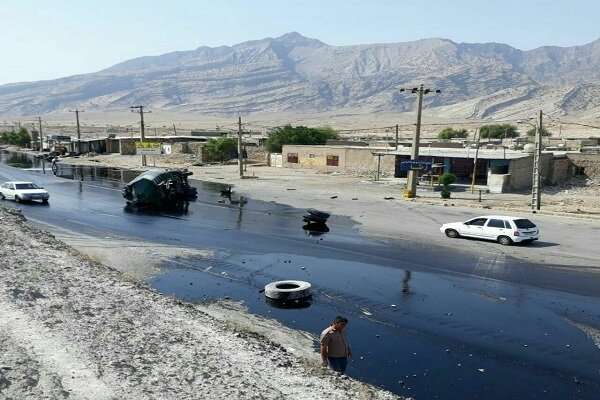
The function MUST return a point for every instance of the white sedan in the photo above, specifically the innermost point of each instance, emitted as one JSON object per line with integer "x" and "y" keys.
{"x": 23, "y": 191}
{"x": 505, "y": 230}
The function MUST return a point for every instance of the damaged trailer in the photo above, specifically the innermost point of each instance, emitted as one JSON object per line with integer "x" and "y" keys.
{"x": 160, "y": 188}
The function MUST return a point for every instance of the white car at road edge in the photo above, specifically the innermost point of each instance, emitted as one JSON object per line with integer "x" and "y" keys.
{"x": 503, "y": 229}
{"x": 23, "y": 191}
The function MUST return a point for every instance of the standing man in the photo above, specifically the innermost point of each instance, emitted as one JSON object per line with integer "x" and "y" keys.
{"x": 335, "y": 349}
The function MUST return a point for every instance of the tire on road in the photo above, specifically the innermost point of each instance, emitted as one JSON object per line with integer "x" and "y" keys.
{"x": 288, "y": 290}
{"x": 505, "y": 240}
{"x": 452, "y": 233}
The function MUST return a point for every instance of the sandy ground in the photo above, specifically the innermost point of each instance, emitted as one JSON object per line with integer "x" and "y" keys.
{"x": 381, "y": 124}
{"x": 71, "y": 328}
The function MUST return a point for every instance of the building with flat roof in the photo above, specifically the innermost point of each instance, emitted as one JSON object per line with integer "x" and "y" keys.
{"x": 502, "y": 170}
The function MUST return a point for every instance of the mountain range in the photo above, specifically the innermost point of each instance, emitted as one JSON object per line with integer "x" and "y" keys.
{"x": 293, "y": 73}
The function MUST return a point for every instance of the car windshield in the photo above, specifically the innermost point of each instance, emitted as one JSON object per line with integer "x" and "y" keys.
{"x": 524, "y": 223}
{"x": 21, "y": 186}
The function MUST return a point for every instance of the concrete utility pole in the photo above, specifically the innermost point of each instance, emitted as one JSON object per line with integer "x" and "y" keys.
{"x": 411, "y": 185}
{"x": 396, "y": 136}
{"x": 240, "y": 149}
{"x": 536, "y": 193}
{"x": 140, "y": 109}
{"x": 76, "y": 111}
{"x": 41, "y": 137}
{"x": 478, "y": 138}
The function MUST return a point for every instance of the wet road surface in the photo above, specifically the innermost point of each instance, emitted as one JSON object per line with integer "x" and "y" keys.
{"x": 425, "y": 321}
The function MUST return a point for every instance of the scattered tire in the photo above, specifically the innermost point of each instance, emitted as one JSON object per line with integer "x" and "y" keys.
{"x": 504, "y": 240}
{"x": 452, "y": 233}
{"x": 288, "y": 290}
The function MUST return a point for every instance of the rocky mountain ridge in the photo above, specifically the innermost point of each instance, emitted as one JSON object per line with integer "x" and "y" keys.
{"x": 299, "y": 74}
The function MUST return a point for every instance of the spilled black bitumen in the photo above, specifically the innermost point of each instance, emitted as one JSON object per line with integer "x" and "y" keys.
{"x": 421, "y": 323}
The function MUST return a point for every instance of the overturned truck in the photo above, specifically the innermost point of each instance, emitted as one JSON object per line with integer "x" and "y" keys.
{"x": 160, "y": 188}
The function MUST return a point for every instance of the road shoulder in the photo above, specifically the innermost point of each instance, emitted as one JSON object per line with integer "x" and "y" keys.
{"x": 93, "y": 334}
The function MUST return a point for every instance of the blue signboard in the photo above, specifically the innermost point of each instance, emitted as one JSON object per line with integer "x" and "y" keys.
{"x": 420, "y": 165}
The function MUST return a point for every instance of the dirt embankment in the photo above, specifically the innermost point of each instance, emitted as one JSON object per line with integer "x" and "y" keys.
{"x": 72, "y": 328}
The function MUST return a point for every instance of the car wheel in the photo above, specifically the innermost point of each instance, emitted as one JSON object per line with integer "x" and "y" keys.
{"x": 17, "y": 199}
{"x": 2, "y": 197}
{"x": 505, "y": 240}
{"x": 44, "y": 201}
{"x": 452, "y": 233}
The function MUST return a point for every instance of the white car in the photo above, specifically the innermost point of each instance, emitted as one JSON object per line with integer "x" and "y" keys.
{"x": 505, "y": 230}
{"x": 23, "y": 191}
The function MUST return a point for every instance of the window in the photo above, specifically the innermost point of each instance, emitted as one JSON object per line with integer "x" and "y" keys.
{"x": 476, "y": 222}
{"x": 25, "y": 186}
{"x": 507, "y": 225}
{"x": 333, "y": 161}
{"x": 292, "y": 158}
{"x": 524, "y": 224}
{"x": 311, "y": 156}
{"x": 496, "y": 223}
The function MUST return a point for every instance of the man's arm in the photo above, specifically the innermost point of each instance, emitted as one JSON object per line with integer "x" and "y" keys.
{"x": 323, "y": 354}
{"x": 324, "y": 348}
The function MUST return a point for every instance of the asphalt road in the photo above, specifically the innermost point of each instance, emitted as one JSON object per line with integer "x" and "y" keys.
{"x": 426, "y": 321}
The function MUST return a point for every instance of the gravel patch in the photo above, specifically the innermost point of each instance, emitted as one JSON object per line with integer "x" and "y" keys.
{"x": 73, "y": 328}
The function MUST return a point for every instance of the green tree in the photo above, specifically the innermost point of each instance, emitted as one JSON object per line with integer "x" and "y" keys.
{"x": 451, "y": 133}
{"x": 545, "y": 132}
{"x": 298, "y": 135}
{"x": 222, "y": 149}
{"x": 20, "y": 138}
{"x": 4, "y": 138}
{"x": 498, "y": 131}
{"x": 446, "y": 180}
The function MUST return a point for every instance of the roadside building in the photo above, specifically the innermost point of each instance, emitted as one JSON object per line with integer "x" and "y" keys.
{"x": 502, "y": 170}
{"x": 169, "y": 144}
{"x": 84, "y": 146}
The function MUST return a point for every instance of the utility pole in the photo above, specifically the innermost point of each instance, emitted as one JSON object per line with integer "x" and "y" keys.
{"x": 174, "y": 129}
{"x": 77, "y": 111}
{"x": 478, "y": 137}
{"x": 411, "y": 185}
{"x": 536, "y": 194}
{"x": 41, "y": 137}
{"x": 396, "y": 136}
{"x": 140, "y": 110}
{"x": 240, "y": 150}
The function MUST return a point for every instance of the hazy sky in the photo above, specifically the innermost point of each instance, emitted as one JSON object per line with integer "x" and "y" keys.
{"x": 44, "y": 39}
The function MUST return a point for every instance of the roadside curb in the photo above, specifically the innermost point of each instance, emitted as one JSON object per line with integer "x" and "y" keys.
{"x": 518, "y": 210}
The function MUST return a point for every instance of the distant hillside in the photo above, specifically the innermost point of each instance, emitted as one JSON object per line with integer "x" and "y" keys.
{"x": 295, "y": 73}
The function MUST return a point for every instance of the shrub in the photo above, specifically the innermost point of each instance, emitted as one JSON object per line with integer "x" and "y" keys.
{"x": 451, "y": 133}
{"x": 498, "y": 131}
{"x": 545, "y": 132}
{"x": 20, "y": 138}
{"x": 446, "y": 180}
{"x": 298, "y": 135}
{"x": 222, "y": 149}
